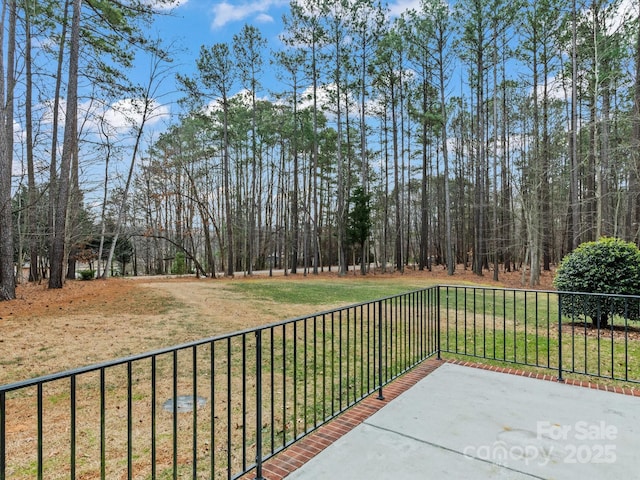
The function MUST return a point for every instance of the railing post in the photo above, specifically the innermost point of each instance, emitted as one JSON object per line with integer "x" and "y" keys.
{"x": 259, "y": 405}
{"x": 437, "y": 289}
{"x": 3, "y": 432}
{"x": 380, "y": 377}
{"x": 560, "y": 379}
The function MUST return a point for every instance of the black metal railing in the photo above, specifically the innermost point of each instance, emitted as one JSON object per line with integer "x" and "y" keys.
{"x": 216, "y": 408}
{"x": 220, "y": 407}
{"x": 582, "y": 333}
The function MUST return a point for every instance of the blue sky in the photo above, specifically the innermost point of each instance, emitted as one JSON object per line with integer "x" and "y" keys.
{"x": 197, "y": 22}
{"x": 193, "y": 23}
{"x": 202, "y": 22}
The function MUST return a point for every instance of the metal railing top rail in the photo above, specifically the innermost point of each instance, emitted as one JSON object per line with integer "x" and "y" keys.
{"x": 541, "y": 291}
{"x": 183, "y": 346}
{"x": 187, "y": 345}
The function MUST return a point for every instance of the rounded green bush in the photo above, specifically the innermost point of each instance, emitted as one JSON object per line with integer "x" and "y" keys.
{"x": 87, "y": 274}
{"x": 608, "y": 266}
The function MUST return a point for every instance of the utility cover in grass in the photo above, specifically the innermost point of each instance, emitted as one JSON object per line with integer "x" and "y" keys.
{"x": 184, "y": 403}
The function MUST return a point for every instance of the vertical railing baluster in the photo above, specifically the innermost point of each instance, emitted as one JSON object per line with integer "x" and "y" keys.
{"x": 415, "y": 332}
{"x": 361, "y": 392}
{"x": 403, "y": 324}
{"x": 387, "y": 330}
{"x": 129, "y": 421}
{"x": 272, "y": 373}
{"x": 493, "y": 323}
{"x": 284, "y": 385}
{"x": 560, "y": 379}
{"x": 259, "y": 405}
{"x": 598, "y": 333}
{"x": 229, "y": 418}
{"x": 466, "y": 333}
{"x": 354, "y": 381}
{"x": 409, "y": 307}
{"x": 408, "y": 341}
{"x": 324, "y": 367}
{"x": 600, "y": 340}
{"x": 548, "y": 323}
{"x": 3, "y": 436}
{"x": 154, "y": 427}
{"x": 535, "y": 296}
{"x": 380, "y": 373}
{"x": 369, "y": 357}
{"x": 315, "y": 371}
{"x": 340, "y": 360}
{"x": 175, "y": 415}
{"x": 423, "y": 319}
{"x": 333, "y": 364}
{"x": 212, "y": 407}
{"x": 347, "y": 356}
{"x": 612, "y": 345}
{"x": 438, "y": 322}
{"x": 295, "y": 380}
{"x": 40, "y": 434}
{"x": 397, "y": 323}
{"x": 626, "y": 341}
{"x": 72, "y": 426}
{"x": 306, "y": 368}
{"x": 419, "y": 330}
{"x": 504, "y": 326}
{"x": 585, "y": 368}
{"x": 244, "y": 402}
{"x": 537, "y": 315}
{"x": 194, "y": 378}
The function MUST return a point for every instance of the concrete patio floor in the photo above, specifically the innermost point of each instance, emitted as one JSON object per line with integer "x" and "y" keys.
{"x": 469, "y": 423}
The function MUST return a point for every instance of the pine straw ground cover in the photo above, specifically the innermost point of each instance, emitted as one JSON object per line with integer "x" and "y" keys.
{"x": 47, "y": 331}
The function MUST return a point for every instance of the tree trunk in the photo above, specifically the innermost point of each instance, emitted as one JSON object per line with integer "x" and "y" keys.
{"x": 31, "y": 211}
{"x": 7, "y": 275}
{"x": 634, "y": 198}
{"x": 57, "y": 252}
{"x": 573, "y": 233}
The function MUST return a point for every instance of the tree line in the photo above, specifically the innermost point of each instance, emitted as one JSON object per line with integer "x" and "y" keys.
{"x": 489, "y": 134}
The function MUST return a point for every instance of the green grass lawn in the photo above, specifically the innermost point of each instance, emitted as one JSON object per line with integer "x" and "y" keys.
{"x": 321, "y": 292}
{"x": 516, "y": 327}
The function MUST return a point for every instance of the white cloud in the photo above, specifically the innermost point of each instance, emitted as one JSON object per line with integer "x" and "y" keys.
{"x": 166, "y": 5}
{"x": 19, "y": 134}
{"x": 227, "y": 12}
{"x": 244, "y": 96}
{"x": 616, "y": 16}
{"x": 129, "y": 113}
{"x": 556, "y": 89}
{"x": 399, "y": 7}
{"x": 117, "y": 117}
{"x": 624, "y": 12}
{"x": 47, "y": 108}
{"x": 264, "y": 18}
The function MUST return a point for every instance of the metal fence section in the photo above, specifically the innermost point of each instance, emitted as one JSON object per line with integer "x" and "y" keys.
{"x": 581, "y": 333}
{"x": 215, "y": 408}
{"x": 218, "y": 408}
